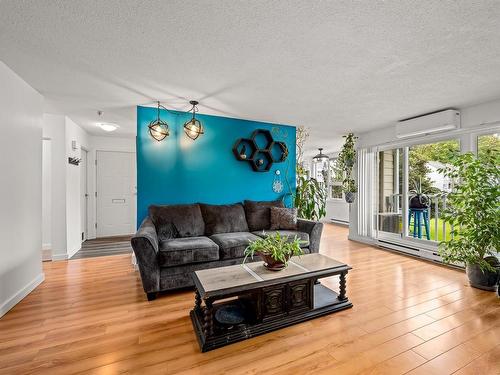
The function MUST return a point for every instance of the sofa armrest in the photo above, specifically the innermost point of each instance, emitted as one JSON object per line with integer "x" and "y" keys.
{"x": 314, "y": 229}
{"x": 145, "y": 245}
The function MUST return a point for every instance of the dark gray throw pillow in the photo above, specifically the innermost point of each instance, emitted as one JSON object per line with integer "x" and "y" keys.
{"x": 224, "y": 218}
{"x": 283, "y": 218}
{"x": 186, "y": 218}
{"x": 167, "y": 232}
{"x": 259, "y": 214}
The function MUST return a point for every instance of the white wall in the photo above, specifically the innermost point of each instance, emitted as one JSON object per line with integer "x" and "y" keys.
{"x": 473, "y": 117}
{"x": 54, "y": 128}
{"x": 46, "y": 200}
{"x": 20, "y": 189}
{"x": 73, "y": 210}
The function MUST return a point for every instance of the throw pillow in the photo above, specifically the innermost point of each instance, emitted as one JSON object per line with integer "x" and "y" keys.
{"x": 186, "y": 218}
{"x": 259, "y": 215}
{"x": 167, "y": 231}
{"x": 224, "y": 218}
{"x": 283, "y": 218}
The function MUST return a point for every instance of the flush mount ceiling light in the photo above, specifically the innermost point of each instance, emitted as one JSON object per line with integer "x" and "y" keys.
{"x": 321, "y": 157}
{"x": 193, "y": 127}
{"x": 158, "y": 129}
{"x": 106, "y": 126}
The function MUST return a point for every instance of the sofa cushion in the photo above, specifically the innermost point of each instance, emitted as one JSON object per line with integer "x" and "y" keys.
{"x": 283, "y": 218}
{"x": 303, "y": 236}
{"x": 233, "y": 245}
{"x": 258, "y": 214}
{"x": 224, "y": 218}
{"x": 186, "y": 218}
{"x": 178, "y": 251}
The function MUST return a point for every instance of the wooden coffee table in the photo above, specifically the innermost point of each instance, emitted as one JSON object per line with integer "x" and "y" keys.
{"x": 262, "y": 300}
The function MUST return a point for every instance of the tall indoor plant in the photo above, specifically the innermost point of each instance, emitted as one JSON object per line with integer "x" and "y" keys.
{"x": 347, "y": 158}
{"x": 310, "y": 196}
{"x": 473, "y": 208}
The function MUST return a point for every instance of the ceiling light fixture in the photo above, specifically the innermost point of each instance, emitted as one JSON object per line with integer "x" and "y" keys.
{"x": 106, "y": 126}
{"x": 193, "y": 127}
{"x": 158, "y": 129}
{"x": 321, "y": 157}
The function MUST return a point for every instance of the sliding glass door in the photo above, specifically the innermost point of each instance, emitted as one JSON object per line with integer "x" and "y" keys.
{"x": 390, "y": 210}
{"x": 411, "y": 193}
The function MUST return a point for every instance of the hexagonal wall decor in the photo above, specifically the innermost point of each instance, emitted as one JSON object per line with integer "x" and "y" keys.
{"x": 260, "y": 150}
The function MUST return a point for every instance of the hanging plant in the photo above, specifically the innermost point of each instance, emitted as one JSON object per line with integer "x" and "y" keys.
{"x": 346, "y": 160}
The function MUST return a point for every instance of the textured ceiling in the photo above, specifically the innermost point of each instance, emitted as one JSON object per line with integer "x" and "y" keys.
{"x": 334, "y": 66}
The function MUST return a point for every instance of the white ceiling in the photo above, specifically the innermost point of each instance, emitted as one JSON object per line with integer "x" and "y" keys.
{"x": 334, "y": 66}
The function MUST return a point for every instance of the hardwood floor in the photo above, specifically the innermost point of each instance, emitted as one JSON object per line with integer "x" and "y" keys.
{"x": 409, "y": 316}
{"x": 104, "y": 246}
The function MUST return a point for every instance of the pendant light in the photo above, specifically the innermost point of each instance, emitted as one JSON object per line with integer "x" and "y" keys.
{"x": 193, "y": 127}
{"x": 158, "y": 129}
{"x": 321, "y": 157}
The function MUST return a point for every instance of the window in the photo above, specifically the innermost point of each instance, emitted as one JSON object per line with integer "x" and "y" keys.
{"x": 428, "y": 188}
{"x": 488, "y": 143}
{"x": 335, "y": 183}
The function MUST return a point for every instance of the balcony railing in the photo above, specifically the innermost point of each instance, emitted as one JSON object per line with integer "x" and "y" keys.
{"x": 438, "y": 229}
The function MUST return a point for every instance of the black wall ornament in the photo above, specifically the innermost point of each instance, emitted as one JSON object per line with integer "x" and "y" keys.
{"x": 260, "y": 157}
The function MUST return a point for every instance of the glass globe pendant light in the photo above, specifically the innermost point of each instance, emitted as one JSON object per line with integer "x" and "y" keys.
{"x": 193, "y": 127}
{"x": 158, "y": 129}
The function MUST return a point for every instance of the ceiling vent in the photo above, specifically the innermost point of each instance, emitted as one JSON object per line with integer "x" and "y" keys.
{"x": 428, "y": 124}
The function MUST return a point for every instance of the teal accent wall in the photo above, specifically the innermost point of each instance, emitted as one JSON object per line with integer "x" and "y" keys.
{"x": 180, "y": 170}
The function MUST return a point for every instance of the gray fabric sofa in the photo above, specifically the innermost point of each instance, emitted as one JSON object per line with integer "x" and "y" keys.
{"x": 176, "y": 240}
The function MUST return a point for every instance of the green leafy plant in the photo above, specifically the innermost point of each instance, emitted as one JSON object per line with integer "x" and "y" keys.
{"x": 310, "y": 196}
{"x": 473, "y": 208}
{"x": 349, "y": 185}
{"x": 417, "y": 193}
{"x": 346, "y": 160}
{"x": 347, "y": 155}
{"x": 279, "y": 247}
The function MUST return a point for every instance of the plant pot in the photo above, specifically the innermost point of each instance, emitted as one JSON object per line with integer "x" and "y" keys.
{"x": 485, "y": 280}
{"x": 272, "y": 264}
{"x": 349, "y": 196}
{"x": 419, "y": 201}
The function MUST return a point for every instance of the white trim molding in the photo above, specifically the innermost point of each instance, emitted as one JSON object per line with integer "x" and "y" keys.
{"x": 16, "y": 298}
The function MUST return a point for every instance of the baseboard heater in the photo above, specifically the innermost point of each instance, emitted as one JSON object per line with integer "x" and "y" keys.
{"x": 341, "y": 222}
{"x": 413, "y": 251}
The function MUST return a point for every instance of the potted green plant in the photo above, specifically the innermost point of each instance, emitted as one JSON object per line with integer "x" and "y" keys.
{"x": 310, "y": 196}
{"x": 275, "y": 250}
{"x": 417, "y": 198}
{"x": 473, "y": 210}
{"x": 350, "y": 189}
{"x": 347, "y": 157}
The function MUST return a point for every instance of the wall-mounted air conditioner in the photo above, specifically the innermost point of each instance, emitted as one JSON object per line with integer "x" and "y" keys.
{"x": 428, "y": 124}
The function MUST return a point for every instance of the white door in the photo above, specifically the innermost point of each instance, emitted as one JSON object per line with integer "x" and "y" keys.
{"x": 116, "y": 193}
{"x": 83, "y": 195}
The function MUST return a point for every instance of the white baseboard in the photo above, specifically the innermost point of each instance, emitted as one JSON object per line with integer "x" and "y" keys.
{"x": 73, "y": 253}
{"x": 16, "y": 298}
{"x": 46, "y": 255}
{"x": 59, "y": 256}
{"x": 365, "y": 240}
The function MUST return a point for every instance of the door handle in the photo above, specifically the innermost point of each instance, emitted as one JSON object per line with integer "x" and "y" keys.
{"x": 117, "y": 200}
